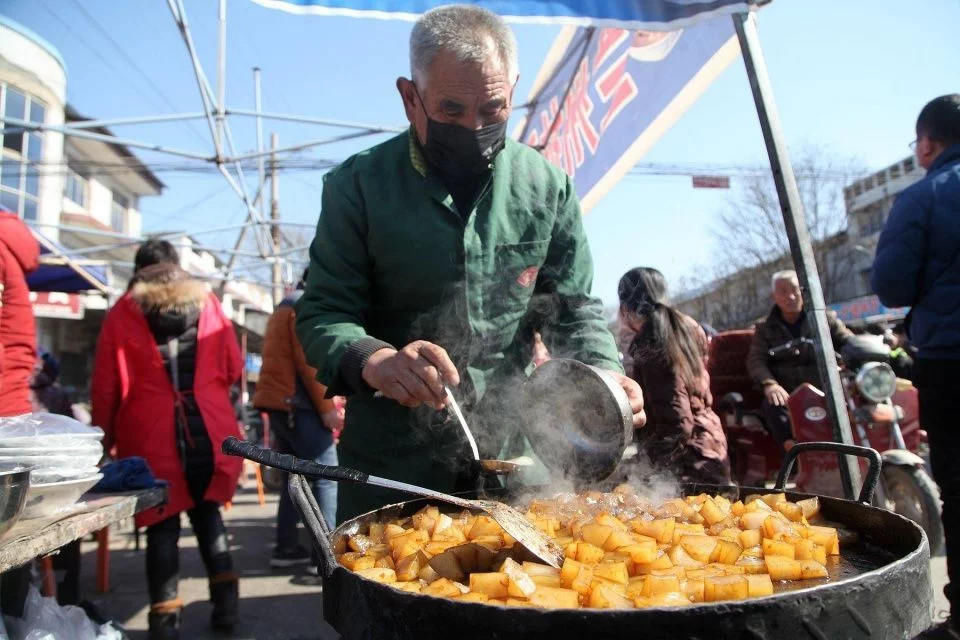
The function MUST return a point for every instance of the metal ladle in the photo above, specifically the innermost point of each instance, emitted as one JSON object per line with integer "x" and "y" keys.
{"x": 489, "y": 466}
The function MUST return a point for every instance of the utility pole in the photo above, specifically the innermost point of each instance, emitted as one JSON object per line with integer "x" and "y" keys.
{"x": 275, "y": 222}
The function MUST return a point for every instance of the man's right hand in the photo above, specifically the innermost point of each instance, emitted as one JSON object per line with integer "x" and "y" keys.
{"x": 414, "y": 375}
{"x": 776, "y": 395}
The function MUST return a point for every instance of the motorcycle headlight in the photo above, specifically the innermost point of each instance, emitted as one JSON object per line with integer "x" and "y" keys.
{"x": 876, "y": 381}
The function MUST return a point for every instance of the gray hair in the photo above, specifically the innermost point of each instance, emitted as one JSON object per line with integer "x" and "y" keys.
{"x": 788, "y": 274}
{"x": 466, "y": 31}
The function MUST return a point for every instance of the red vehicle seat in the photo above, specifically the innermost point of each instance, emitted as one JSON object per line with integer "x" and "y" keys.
{"x": 727, "y": 366}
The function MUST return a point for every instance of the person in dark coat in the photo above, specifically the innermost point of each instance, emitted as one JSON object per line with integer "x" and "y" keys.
{"x": 779, "y": 377}
{"x": 918, "y": 265}
{"x": 166, "y": 359}
{"x": 669, "y": 349}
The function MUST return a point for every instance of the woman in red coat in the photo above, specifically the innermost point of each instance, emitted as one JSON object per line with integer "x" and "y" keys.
{"x": 19, "y": 253}
{"x": 166, "y": 359}
{"x": 683, "y": 434}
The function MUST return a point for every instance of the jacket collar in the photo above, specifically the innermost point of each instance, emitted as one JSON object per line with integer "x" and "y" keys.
{"x": 947, "y": 156}
{"x": 416, "y": 156}
{"x": 776, "y": 316}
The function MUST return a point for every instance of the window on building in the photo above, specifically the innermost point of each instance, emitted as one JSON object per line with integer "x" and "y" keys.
{"x": 75, "y": 188}
{"x": 118, "y": 213}
{"x": 908, "y": 165}
{"x": 22, "y": 153}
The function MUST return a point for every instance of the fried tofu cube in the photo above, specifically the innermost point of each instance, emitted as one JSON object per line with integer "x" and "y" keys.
{"x": 409, "y": 567}
{"x": 826, "y": 537}
{"x": 569, "y": 571}
{"x": 693, "y": 589}
{"x": 443, "y": 588}
{"x": 547, "y": 581}
{"x": 793, "y": 511}
{"x": 726, "y": 552}
{"x": 724, "y": 588}
{"x": 604, "y": 597}
{"x": 378, "y": 574}
{"x": 620, "y": 538}
{"x": 536, "y": 569}
{"x": 495, "y": 585}
{"x": 819, "y": 554}
{"x": 519, "y": 585}
{"x": 386, "y": 562}
{"x": 773, "y": 499}
{"x": 680, "y": 558}
{"x": 660, "y": 530}
{"x": 759, "y": 584}
{"x": 775, "y": 548}
{"x": 611, "y": 521}
{"x": 810, "y": 507}
{"x": 804, "y": 549}
{"x": 588, "y": 553}
{"x": 584, "y": 580}
{"x": 484, "y": 526}
{"x": 413, "y": 586}
{"x": 698, "y": 547}
{"x": 470, "y": 596}
{"x": 552, "y": 598}
{"x": 711, "y": 512}
{"x": 595, "y": 534}
{"x": 750, "y": 538}
{"x": 642, "y": 552}
{"x": 753, "y": 519}
{"x": 782, "y": 568}
{"x": 657, "y": 585}
{"x": 612, "y": 571}
{"x": 672, "y": 599}
{"x": 812, "y": 569}
{"x": 751, "y": 564}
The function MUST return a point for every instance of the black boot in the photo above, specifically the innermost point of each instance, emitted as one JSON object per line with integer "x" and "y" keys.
{"x": 225, "y": 596}
{"x": 164, "y": 620}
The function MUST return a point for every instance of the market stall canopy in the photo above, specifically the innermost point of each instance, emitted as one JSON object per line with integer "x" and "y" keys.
{"x": 59, "y": 273}
{"x": 653, "y": 15}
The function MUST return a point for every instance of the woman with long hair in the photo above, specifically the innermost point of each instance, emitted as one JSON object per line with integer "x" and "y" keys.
{"x": 669, "y": 351}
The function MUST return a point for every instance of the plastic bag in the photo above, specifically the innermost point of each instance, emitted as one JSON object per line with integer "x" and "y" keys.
{"x": 37, "y": 429}
{"x": 44, "y": 619}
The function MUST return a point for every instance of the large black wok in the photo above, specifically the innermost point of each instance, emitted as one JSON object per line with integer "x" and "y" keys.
{"x": 880, "y": 590}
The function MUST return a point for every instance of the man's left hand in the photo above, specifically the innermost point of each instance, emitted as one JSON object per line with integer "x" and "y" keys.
{"x": 634, "y": 395}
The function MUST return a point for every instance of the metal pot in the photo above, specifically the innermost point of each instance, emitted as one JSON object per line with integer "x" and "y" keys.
{"x": 14, "y": 483}
{"x": 881, "y": 591}
{"x": 579, "y": 420}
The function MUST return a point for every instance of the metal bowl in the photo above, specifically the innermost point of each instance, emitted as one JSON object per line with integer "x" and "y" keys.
{"x": 14, "y": 483}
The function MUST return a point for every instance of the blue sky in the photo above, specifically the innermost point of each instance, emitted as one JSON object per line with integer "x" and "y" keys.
{"x": 849, "y": 76}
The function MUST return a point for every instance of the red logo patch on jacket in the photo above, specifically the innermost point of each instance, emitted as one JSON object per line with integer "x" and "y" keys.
{"x": 528, "y": 277}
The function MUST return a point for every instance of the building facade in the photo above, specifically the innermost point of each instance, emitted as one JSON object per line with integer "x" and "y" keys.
{"x": 844, "y": 261}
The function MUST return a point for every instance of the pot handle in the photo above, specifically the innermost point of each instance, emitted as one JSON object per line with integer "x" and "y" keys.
{"x": 235, "y": 447}
{"x": 872, "y": 456}
{"x": 302, "y": 496}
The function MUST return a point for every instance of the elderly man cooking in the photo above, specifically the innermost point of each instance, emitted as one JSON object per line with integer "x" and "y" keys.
{"x": 437, "y": 255}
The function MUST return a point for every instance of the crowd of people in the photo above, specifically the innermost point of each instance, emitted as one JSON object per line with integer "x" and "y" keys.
{"x": 453, "y": 255}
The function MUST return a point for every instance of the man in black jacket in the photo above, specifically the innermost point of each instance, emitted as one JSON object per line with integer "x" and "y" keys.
{"x": 778, "y": 377}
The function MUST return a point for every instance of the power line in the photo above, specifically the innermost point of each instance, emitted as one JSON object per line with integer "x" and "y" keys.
{"x": 123, "y": 54}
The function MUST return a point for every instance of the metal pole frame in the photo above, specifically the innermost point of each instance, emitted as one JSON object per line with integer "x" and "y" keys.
{"x": 800, "y": 246}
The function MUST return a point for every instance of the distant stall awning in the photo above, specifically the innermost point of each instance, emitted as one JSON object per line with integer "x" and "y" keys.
{"x": 58, "y": 272}
{"x": 625, "y": 14}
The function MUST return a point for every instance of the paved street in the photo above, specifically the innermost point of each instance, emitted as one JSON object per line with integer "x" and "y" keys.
{"x": 282, "y": 604}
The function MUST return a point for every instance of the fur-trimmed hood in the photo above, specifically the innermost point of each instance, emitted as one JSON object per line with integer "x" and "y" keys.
{"x": 167, "y": 289}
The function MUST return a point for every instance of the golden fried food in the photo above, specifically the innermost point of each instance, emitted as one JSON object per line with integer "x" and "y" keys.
{"x": 622, "y": 551}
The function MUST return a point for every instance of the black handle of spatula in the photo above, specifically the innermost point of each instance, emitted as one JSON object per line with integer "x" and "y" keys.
{"x": 291, "y": 464}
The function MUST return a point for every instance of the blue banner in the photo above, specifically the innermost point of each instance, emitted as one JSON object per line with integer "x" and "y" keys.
{"x": 630, "y": 14}
{"x": 605, "y": 96}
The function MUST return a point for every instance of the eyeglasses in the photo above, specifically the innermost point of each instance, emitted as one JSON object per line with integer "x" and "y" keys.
{"x": 913, "y": 145}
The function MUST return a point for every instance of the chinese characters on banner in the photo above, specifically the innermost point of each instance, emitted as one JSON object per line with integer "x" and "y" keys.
{"x": 604, "y": 96}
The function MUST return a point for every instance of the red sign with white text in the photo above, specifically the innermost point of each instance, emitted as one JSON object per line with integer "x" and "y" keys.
{"x": 56, "y": 304}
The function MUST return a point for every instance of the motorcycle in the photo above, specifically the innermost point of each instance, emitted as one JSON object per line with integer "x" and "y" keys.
{"x": 884, "y": 415}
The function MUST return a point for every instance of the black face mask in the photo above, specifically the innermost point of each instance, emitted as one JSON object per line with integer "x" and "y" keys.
{"x": 459, "y": 153}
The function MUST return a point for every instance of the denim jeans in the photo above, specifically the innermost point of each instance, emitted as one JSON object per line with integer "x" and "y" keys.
{"x": 311, "y": 440}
